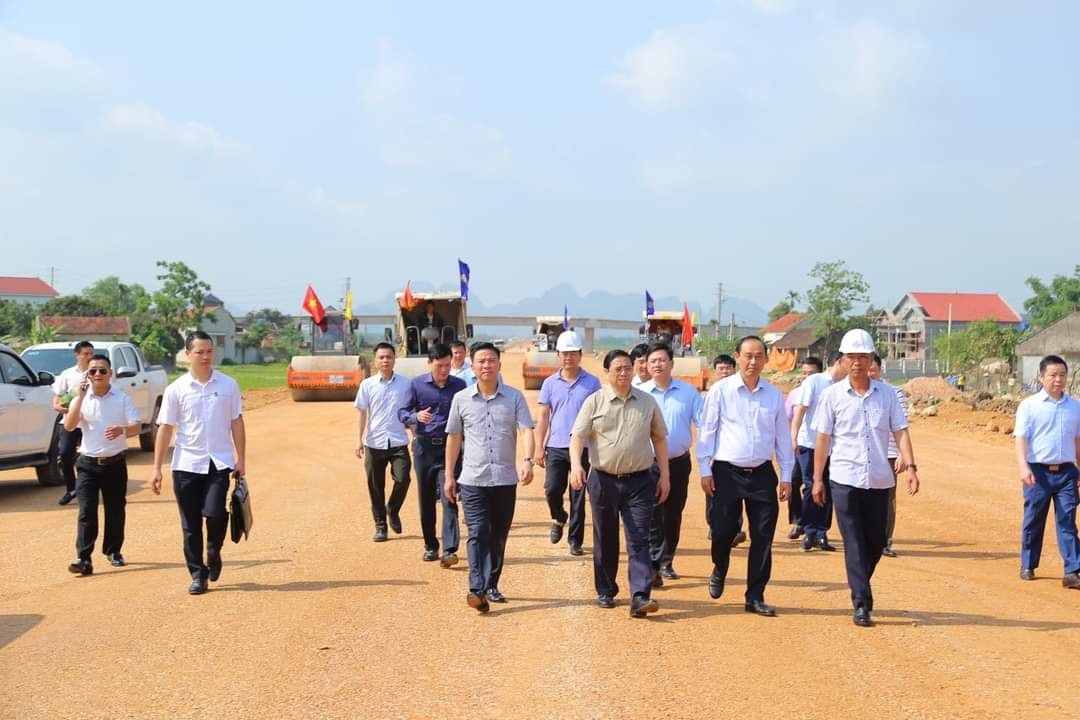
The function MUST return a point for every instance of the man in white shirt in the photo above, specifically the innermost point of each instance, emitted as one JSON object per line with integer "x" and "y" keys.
{"x": 743, "y": 425}
{"x": 640, "y": 354}
{"x": 459, "y": 364}
{"x": 381, "y": 439}
{"x": 107, "y": 418}
{"x": 854, "y": 420}
{"x": 204, "y": 409}
{"x": 67, "y": 383}
{"x": 894, "y": 458}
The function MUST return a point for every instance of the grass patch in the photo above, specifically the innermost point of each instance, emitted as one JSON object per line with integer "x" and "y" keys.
{"x": 250, "y": 377}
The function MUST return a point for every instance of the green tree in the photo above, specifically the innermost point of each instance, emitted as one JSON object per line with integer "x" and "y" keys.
{"x": 42, "y": 333}
{"x": 253, "y": 336}
{"x": 16, "y": 318}
{"x": 833, "y": 298}
{"x": 178, "y": 305}
{"x": 710, "y": 346}
{"x": 288, "y": 339}
{"x": 116, "y": 298}
{"x": 980, "y": 340}
{"x": 1054, "y": 301}
{"x": 275, "y": 318}
{"x": 72, "y": 306}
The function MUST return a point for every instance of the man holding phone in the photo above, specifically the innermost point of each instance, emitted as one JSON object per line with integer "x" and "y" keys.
{"x": 64, "y": 389}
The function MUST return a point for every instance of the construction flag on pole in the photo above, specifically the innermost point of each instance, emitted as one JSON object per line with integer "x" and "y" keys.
{"x": 315, "y": 308}
{"x": 408, "y": 302}
{"x": 687, "y": 327}
{"x": 565, "y": 318}
{"x": 348, "y": 305}
{"x": 650, "y": 308}
{"x": 463, "y": 275}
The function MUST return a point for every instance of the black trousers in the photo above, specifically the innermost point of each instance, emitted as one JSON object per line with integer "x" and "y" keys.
{"x": 795, "y": 499}
{"x": 111, "y": 482}
{"x": 375, "y": 462}
{"x": 632, "y": 497}
{"x": 69, "y": 441}
{"x": 200, "y": 495}
{"x": 666, "y": 524}
{"x": 816, "y": 521}
{"x": 556, "y": 482}
{"x": 489, "y": 512}
{"x": 862, "y": 516}
{"x": 429, "y": 456}
{"x": 756, "y": 489}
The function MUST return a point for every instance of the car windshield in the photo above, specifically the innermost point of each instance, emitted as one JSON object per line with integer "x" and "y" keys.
{"x": 54, "y": 360}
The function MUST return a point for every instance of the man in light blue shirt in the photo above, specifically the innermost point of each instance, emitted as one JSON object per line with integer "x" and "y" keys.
{"x": 459, "y": 366}
{"x": 381, "y": 439}
{"x": 1047, "y": 445}
{"x": 681, "y": 406}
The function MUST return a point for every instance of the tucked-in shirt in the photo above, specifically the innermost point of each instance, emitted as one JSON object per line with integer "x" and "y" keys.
{"x": 382, "y": 399}
{"x": 792, "y": 402}
{"x": 860, "y": 427}
{"x": 744, "y": 427}
{"x": 565, "y": 399}
{"x": 489, "y": 427}
{"x": 1050, "y": 426}
{"x": 98, "y": 412}
{"x": 423, "y": 394}
{"x": 202, "y": 415}
{"x": 681, "y": 406}
{"x": 465, "y": 372}
{"x": 809, "y": 396}
{"x": 619, "y": 432}
{"x": 894, "y": 451}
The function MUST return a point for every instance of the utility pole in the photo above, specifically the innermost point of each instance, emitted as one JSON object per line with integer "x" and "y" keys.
{"x": 719, "y": 306}
{"x": 52, "y": 277}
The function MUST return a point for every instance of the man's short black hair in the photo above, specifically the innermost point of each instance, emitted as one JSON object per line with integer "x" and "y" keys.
{"x": 194, "y": 335}
{"x": 834, "y": 356}
{"x": 812, "y": 360}
{"x": 748, "y": 338}
{"x": 385, "y": 346}
{"x": 102, "y": 357}
{"x": 876, "y": 360}
{"x": 478, "y": 346}
{"x": 661, "y": 347}
{"x": 454, "y": 344}
{"x": 723, "y": 359}
{"x": 82, "y": 345}
{"x": 614, "y": 355}
{"x": 640, "y": 350}
{"x": 438, "y": 351}
{"x": 1052, "y": 360}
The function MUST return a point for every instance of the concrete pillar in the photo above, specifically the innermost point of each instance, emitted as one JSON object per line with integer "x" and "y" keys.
{"x": 590, "y": 339}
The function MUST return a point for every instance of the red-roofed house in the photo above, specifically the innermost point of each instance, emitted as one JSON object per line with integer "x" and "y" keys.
{"x": 918, "y": 318}
{"x": 26, "y": 289}
{"x": 780, "y": 327}
{"x": 70, "y": 328}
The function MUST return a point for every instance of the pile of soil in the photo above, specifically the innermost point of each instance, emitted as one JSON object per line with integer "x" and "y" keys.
{"x": 924, "y": 387}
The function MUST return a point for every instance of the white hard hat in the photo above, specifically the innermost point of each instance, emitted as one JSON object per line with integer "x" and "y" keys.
{"x": 568, "y": 341}
{"x": 857, "y": 341}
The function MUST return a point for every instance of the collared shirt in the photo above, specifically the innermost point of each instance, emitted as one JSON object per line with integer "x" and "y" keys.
{"x": 465, "y": 372}
{"x": 744, "y": 427}
{"x": 792, "y": 401}
{"x": 809, "y": 396}
{"x": 202, "y": 415}
{"x": 681, "y": 405}
{"x": 619, "y": 431}
{"x": 1051, "y": 427}
{"x": 382, "y": 399}
{"x": 67, "y": 381}
{"x": 489, "y": 427}
{"x": 424, "y": 393}
{"x": 98, "y": 412}
{"x": 894, "y": 451}
{"x": 638, "y": 382}
{"x": 564, "y": 399}
{"x": 860, "y": 429}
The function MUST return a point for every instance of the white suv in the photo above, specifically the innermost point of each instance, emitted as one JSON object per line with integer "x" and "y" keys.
{"x": 29, "y": 433}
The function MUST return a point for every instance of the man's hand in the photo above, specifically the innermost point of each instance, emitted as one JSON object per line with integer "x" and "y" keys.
{"x": 898, "y": 466}
{"x": 577, "y": 477}
{"x": 525, "y": 474}
{"x": 450, "y": 490}
{"x": 541, "y": 459}
{"x": 663, "y": 489}
{"x": 238, "y": 469}
{"x": 155, "y": 481}
{"x": 783, "y": 491}
{"x": 912, "y": 482}
{"x": 114, "y": 431}
{"x": 360, "y": 450}
{"x": 818, "y": 493}
{"x": 708, "y": 485}
{"x": 424, "y": 416}
{"x": 1026, "y": 476}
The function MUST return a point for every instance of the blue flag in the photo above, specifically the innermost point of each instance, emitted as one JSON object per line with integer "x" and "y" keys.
{"x": 463, "y": 275}
{"x": 565, "y": 319}
{"x": 650, "y": 309}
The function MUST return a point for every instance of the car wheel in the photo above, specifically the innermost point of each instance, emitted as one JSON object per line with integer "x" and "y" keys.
{"x": 51, "y": 474}
{"x": 146, "y": 438}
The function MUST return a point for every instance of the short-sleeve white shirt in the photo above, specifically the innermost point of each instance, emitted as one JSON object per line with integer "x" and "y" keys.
{"x": 202, "y": 415}
{"x": 98, "y": 413}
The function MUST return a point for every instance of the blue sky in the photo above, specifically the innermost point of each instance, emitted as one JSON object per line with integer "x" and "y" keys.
{"x": 932, "y": 145}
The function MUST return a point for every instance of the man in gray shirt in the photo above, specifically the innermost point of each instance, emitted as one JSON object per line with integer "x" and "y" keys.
{"x": 486, "y": 417}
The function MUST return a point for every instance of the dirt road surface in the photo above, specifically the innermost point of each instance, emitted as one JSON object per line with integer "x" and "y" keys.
{"x": 311, "y": 619}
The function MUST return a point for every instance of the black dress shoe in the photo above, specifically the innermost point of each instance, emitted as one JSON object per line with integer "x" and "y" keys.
{"x": 759, "y": 607}
{"x": 668, "y": 573}
{"x": 1071, "y": 581}
{"x": 807, "y": 543}
{"x": 66, "y": 498}
{"x": 1027, "y": 574}
{"x": 81, "y": 567}
{"x": 862, "y": 617}
{"x": 431, "y": 555}
{"x": 605, "y": 601}
{"x": 198, "y": 585}
{"x": 117, "y": 560}
{"x": 823, "y": 544}
{"x": 380, "y": 533}
{"x": 556, "y": 532}
{"x": 495, "y": 596}
{"x": 795, "y": 532}
{"x": 657, "y": 581}
{"x": 740, "y": 538}
{"x": 641, "y": 606}
{"x": 213, "y": 563}
{"x": 448, "y": 560}
{"x": 888, "y": 552}
{"x": 716, "y": 586}
{"x": 395, "y": 523}
{"x": 576, "y": 550}
{"x": 477, "y": 601}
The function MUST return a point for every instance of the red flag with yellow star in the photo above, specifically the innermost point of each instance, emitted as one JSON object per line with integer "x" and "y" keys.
{"x": 314, "y": 308}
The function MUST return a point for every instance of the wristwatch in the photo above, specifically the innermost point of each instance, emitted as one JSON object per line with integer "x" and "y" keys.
{"x": 529, "y": 460}
{"x": 912, "y": 466}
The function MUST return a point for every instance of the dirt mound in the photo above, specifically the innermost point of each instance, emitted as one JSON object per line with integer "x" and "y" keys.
{"x": 998, "y": 405}
{"x": 929, "y": 386}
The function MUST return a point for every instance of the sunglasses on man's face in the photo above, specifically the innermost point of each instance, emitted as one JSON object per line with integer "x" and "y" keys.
{"x": 98, "y": 371}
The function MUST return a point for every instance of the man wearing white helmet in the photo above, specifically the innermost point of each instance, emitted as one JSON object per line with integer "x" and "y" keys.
{"x": 561, "y": 397}
{"x": 855, "y": 418}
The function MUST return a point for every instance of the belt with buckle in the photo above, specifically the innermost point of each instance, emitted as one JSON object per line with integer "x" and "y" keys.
{"x": 744, "y": 470}
{"x": 432, "y": 439}
{"x": 1054, "y": 468}
{"x": 104, "y": 460}
{"x": 626, "y": 476}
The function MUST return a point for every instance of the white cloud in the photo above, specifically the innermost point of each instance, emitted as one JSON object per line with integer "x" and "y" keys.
{"x": 141, "y": 118}
{"x": 21, "y": 54}
{"x": 869, "y": 63}
{"x": 390, "y": 80}
{"x": 673, "y": 66}
{"x": 773, "y": 7}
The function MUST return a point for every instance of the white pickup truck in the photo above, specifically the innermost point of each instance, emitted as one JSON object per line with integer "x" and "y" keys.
{"x": 29, "y": 434}
{"x": 145, "y": 383}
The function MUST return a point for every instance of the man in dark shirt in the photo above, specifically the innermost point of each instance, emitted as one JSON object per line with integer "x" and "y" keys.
{"x": 426, "y": 412}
